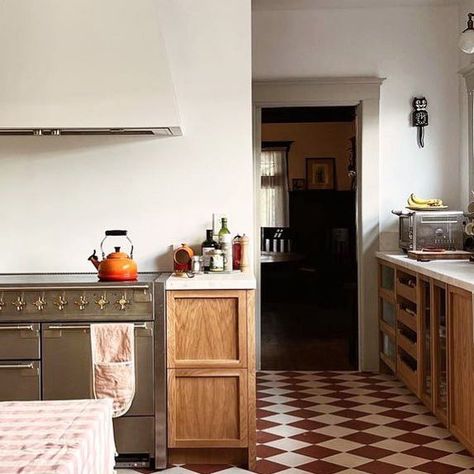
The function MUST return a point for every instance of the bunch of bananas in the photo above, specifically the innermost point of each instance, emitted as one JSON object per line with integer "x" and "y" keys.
{"x": 419, "y": 204}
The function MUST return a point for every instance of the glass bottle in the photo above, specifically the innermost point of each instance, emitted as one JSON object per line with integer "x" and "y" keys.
{"x": 225, "y": 242}
{"x": 206, "y": 247}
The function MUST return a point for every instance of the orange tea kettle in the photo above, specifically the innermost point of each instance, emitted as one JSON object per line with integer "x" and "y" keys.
{"x": 117, "y": 266}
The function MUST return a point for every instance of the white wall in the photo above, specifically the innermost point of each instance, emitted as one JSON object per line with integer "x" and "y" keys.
{"x": 415, "y": 48}
{"x": 58, "y": 195}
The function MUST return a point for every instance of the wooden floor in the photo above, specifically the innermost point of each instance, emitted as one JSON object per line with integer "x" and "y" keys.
{"x": 306, "y": 336}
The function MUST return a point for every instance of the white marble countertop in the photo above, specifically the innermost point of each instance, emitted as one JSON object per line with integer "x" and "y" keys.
{"x": 458, "y": 273}
{"x": 213, "y": 281}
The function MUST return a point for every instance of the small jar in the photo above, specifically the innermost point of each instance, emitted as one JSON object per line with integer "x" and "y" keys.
{"x": 216, "y": 263}
{"x": 196, "y": 264}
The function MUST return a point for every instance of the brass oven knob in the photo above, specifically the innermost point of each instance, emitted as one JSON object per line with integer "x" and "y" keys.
{"x": 82, "y": 303}
{"x": 102, "y": 302}
{"x": 19, "y": 303}
{"x": 123, "y": 302}
{"x": 40, "y": 303}
{"x": 61, "y": 302}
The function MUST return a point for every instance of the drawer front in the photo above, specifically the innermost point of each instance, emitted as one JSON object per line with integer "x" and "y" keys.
{"x": 135, "y": 434}
{"x": 19, "y": 341}
{"x": 406, "y": 285}
{"x": 20, "y": 380}
{"x": 124, "y": 304}
{"x": 207, "y": 408}
{"x": 407, "y": 374}
{"x": 67, "y": 366}
{"x": 207, "y": 329}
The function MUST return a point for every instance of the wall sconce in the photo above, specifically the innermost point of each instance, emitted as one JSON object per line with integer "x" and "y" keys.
{"x": 466, "y": 40}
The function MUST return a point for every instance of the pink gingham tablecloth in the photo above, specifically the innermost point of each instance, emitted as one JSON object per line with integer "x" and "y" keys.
{"x": 64, "y": 437}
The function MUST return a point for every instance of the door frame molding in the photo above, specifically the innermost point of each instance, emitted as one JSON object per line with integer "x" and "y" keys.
{"x": 364, "y": 93}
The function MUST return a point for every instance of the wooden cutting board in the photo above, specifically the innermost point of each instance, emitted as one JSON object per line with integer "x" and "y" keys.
{"x": 425, "y": 255}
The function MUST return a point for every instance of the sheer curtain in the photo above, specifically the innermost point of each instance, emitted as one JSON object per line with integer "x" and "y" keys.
{"x": 274, "y": 188}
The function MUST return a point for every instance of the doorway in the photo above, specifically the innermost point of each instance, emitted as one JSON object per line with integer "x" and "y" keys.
{"x": 309, "y": 318}
{"x": 363, "y": 93}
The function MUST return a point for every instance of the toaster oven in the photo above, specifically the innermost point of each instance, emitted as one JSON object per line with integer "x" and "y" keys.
{"x": 420, "y": 230}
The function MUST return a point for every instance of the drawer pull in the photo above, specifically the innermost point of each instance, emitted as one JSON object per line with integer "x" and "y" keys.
{"x": 59, "y": 327}
{"x": 16, "y": 366}
{"x": 17, "y": 328}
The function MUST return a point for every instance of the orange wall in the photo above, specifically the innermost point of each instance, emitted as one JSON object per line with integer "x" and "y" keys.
{"x": 314, "y": 140}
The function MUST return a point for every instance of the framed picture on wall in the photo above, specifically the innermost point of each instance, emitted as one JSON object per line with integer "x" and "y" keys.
{"x": 320, "y": 173}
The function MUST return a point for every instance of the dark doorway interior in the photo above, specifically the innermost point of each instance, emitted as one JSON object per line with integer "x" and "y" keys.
{"x": 309, "y": 268}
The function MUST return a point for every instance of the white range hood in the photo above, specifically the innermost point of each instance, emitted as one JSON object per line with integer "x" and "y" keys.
{"x": 84, "y": 67}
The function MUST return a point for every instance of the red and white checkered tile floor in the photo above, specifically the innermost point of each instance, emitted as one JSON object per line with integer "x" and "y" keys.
{"x": 346, "y": 422}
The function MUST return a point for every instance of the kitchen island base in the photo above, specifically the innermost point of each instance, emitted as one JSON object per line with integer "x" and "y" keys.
{"x": 211, "y": 377}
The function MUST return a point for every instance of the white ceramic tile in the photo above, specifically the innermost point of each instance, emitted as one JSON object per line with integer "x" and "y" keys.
{"x": 434, "y": 432}
{"x": 446, "y": 445}
{"x": 394, "y": 445}
{"x": 347, "y": 460}
{"x": 282, "y": 419}
{"x": 423, "y": 419}
{"x": 371, "y": 409}
{"x": 385, "y": 431}
{"x": 335, "y": 431}
{"x": 291, "y": 459}
{"x": 284, "y": 430}
{"x": 459, "y": 460}
{"x": 378, "y": 419}
{"x": 287, "y": 444}
{"x": 339, "y": 444}
{"x": 280, "y": 408}
{"x": 324, "y": 409}
{"x": 329, "y": 419}
{"x": 404, "y": 460}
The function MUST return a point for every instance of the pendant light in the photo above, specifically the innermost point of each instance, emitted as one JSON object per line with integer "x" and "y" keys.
{"x": 466, "y": 40}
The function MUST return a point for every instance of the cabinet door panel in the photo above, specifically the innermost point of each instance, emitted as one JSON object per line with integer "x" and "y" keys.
{"x": 461, "y": 366}
{"x": 207, "y": 329}
{"x": 207, "y": 408}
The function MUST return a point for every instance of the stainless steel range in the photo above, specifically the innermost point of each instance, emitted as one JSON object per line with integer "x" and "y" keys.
{"x": 45, "y": 349}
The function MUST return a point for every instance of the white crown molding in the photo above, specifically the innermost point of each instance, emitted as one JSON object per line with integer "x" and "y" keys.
{"x": 269, "y": 5}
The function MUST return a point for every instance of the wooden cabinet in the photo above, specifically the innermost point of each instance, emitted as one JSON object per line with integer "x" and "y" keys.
{"x": 434, "y": 344}
{"x": 211, "y": 376}
{"x": 461, "y": 366}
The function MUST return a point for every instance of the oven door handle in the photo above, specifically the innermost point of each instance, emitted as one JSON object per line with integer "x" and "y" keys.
{"x": 60, "y": 327}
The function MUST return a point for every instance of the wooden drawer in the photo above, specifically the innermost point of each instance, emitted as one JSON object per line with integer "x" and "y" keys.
{"x": 19, "y": 341}
{"x": 406, "y": 285}
{"x": 406, "y": 318}
{"x": 21, "y": 380}
{"x": 407, "y": 374}
{"x": 207, "y": 329}
{"x": 207, "y": 408}
{"x": 407, "y": 344}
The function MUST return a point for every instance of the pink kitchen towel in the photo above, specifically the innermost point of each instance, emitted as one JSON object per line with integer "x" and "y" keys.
{"x": 113, "y": 364}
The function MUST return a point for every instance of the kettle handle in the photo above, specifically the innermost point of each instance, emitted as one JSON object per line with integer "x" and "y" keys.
{"x": 118, "y": 233}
